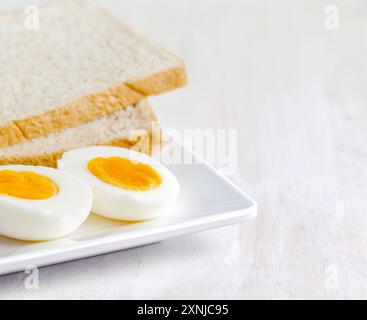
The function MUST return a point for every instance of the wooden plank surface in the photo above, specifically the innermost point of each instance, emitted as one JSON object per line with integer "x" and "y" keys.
{"x": 296, "y": 93}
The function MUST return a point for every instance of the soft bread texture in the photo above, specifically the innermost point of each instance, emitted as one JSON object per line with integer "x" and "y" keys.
{"x": 132, "y": 127}
{"x": 81, "y": 64}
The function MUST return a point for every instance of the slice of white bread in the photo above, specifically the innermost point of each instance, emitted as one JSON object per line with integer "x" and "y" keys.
{"x": 81, "y": 64}
{"x": 131, "y": 127}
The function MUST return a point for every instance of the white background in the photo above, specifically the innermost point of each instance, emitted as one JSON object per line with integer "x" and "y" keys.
{"x": 297, "y": 93}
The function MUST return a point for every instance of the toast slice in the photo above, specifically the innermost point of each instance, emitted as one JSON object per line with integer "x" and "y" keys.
{"x": 132, "y": 127}
{"x": 81, "y": 64}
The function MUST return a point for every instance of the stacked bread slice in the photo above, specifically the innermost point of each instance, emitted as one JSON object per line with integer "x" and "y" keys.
{"x": 81, "y": 79}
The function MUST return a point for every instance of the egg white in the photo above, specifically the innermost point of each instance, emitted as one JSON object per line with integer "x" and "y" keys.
{"x": 118, "y": 203}
{"x": 52, "y": 218}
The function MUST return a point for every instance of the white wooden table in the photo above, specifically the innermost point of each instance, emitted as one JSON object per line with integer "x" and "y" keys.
{"x": 297, "y": 93}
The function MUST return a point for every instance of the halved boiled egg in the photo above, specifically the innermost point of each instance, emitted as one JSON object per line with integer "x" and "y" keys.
{"x": 38, "y": 203}
{"x": 127, "y": 185}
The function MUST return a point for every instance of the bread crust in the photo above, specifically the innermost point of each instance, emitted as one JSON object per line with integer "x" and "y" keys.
{"x": 92, "y": 106}
{"x": 148, "y": 140}
{"x": 160, "y": 82}
{"x": 144, "y": 144}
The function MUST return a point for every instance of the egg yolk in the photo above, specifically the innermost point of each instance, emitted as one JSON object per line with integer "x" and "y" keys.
{"x": 26, "y": 185}
{"x": 125, "y": 174}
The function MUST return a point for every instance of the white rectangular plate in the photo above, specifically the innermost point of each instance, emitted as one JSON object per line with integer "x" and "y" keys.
{"x": 207, "y": 200}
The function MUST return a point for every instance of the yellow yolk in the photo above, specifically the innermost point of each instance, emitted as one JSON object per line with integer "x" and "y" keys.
{"x": 26, "y": 185}
{"x": 124, "y": 173}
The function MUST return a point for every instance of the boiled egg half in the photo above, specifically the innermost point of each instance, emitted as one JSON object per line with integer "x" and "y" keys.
{"x": 126, "y": 185}
{"x": 38, "y": 203}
